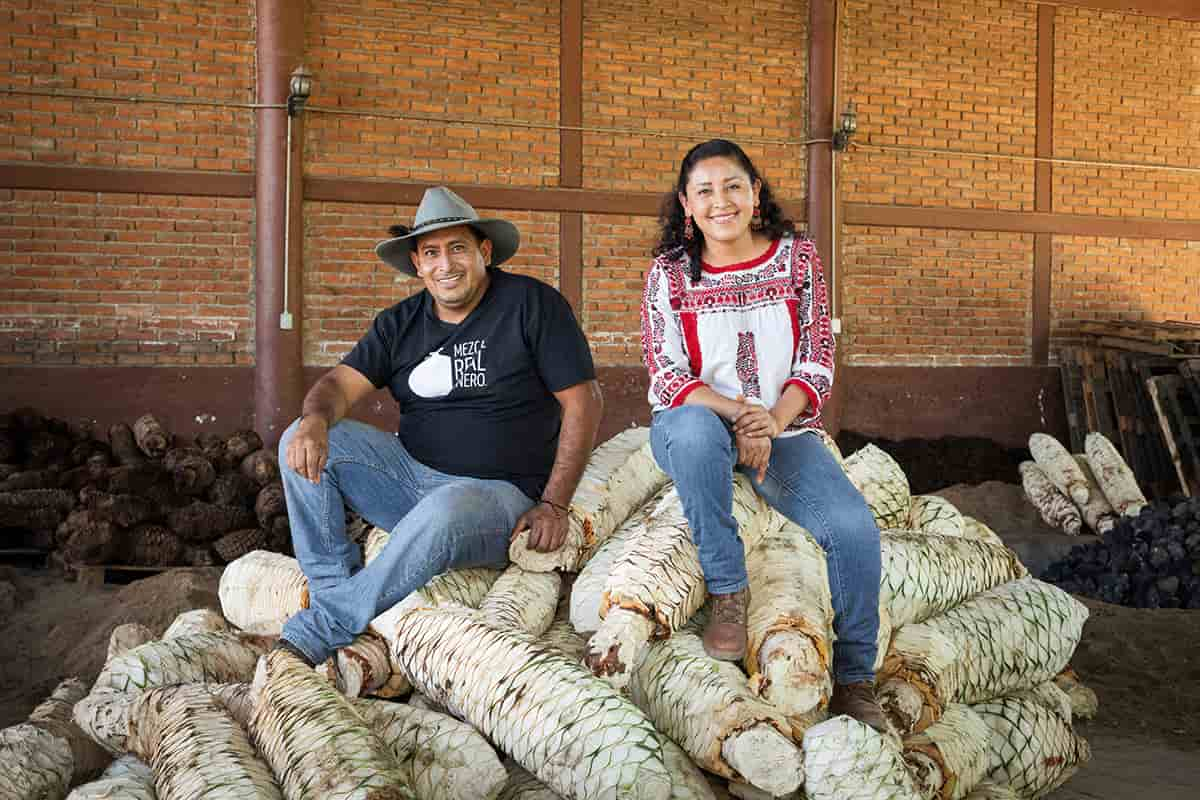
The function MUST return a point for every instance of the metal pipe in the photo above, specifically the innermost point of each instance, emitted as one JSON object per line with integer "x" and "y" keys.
{"x": 72, "y": 94}
{"x": 834, "y": 258}
{"x": 278, "y": 355}
{"x": 285, "y": 316}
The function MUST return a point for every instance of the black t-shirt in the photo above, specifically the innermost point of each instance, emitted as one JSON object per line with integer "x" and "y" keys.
{"x": 475, "y": 398}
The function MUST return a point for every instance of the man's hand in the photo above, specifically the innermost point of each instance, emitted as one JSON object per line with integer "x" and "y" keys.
{"x": 547, "y": 528}
{"x": 755, "y": 420}
{"x": 755, "y": 453}
{"x": 309, "y": 447}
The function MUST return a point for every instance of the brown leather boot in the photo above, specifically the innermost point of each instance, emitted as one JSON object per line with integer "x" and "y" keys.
{"x": 725, "y": 636}
{"x": 857, "y": 700}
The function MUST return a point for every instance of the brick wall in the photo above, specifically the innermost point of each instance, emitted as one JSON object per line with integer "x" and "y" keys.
{"x": 89, "y": 278}
{"x": 1122, "y": 279}
{"x": 1125, "y": 90}
{"x": 955, "y": 75}
{"x": 496, "y": 61}
{"x": 958, "y": 74}
{"x": 948, "y": 74}
{"x": 346, "y": 285}
{"x": 663, "y": 71}
{"x": 942, "y": 298}
{"x": 128, "y": 279}
{"x": 696, "y": 71}
{"x": 616, "y": 255}
{"x": 689, "y": 73}
{"x": 199, "y": 50}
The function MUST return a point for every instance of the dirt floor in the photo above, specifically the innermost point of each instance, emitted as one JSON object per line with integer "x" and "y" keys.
{"x": 1144, "y": 665}
{"x": 59, "y": 629}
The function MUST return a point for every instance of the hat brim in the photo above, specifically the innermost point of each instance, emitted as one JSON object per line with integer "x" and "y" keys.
{"x": 502, "y": 234}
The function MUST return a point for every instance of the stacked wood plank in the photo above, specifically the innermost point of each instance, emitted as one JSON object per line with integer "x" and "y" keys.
{"x": 1137, "y": 384}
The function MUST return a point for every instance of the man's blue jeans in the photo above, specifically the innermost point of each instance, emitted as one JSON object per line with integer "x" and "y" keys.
{"x": 696, "y": 448}
{"x": 437, "y": 521}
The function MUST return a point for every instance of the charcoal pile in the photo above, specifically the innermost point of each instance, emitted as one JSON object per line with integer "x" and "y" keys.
{"x": 933, "y": 464}
{"x": 137, "y": 494}
{"x": 1151, "y": 560}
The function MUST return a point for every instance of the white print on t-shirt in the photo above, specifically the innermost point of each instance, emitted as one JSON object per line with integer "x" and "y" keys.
{"x": 432, "y": 377}
{"x": 469, "y": 369}
{"x": 438, "y": 375}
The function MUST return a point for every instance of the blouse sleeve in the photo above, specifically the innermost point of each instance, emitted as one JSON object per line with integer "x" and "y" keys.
{"x": 663, "y": 348}
{"x": 812, "y": 365}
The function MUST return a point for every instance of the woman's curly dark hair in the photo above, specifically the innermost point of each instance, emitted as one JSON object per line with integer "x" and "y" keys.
{"x": 671, "y": 238}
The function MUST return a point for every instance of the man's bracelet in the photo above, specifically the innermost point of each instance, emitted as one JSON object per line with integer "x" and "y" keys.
{"x": 555, "y": 506}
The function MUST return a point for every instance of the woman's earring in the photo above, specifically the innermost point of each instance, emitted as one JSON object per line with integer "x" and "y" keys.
{"x": 756, "y": 222}
{"x": 688, "y": 231}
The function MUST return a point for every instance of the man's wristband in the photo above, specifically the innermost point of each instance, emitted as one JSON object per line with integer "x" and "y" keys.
{"x": 555, "y": 506}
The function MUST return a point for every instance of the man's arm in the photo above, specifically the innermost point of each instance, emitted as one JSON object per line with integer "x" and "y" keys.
{"x": 327, "y": 402}
{"x": 582, "y": 406}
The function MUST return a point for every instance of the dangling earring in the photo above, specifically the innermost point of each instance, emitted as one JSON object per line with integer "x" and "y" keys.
{"x": 756, "y": 223}
{"x": 688, "y": 231}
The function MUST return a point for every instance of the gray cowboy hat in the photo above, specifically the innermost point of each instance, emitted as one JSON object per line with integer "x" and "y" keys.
{"x": 442, "y": 208}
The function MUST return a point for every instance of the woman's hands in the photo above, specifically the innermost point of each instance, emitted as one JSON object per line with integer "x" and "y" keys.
{"x": 754, "y": 452}
{"x": 754, "y": 426}
{"x": 755, "y": 420}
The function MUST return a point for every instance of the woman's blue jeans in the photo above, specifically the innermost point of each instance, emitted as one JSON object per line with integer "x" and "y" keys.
{"x": 437, "y": 521}
{"x": 804, "y": 483}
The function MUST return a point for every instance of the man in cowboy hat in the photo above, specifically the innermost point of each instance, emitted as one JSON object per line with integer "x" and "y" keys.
{"x": 499, "y": 412}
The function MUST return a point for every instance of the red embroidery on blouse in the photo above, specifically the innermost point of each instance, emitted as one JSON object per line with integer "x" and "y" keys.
{"x": 747, "y": 365}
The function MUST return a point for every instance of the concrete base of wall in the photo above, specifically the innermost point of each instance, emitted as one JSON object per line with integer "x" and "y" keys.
{"x": 1005, "y": 404}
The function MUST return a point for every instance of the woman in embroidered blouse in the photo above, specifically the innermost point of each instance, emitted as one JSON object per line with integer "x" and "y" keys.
{"x": 738, "y": 343}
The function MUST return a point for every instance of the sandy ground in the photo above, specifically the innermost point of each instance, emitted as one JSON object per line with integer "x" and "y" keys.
{"x": 59, "y": 629}
{"x": 1144, "y": 665}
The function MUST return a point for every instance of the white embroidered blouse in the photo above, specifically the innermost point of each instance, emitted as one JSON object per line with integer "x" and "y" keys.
{"x": 747, "y": 329}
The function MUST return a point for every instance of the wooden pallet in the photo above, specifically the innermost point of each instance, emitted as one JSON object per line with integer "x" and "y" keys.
{"x": 1190, "y": 370}
{"x": 1071, "y": 369}
{"x": 1105, "y": 390}
{"x": 1171, "y": 330}
{"x": 1180, "y": 426}
{"x": 1137, "y": 440}
{"x": 1147, "y": 368}
{"x": 1097, "y": 394}
{"x": 1168, "y": 339}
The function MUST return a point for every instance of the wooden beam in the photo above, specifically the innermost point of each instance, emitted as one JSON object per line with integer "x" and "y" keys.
{"x": 1043, "y": 191}
{"x": 55, "y": 178}
{"x": 819, "y": 206}
{"x": 583, "y": 201}
{"x": 1043, "y": 267}
{"x": 570, "y": 93}
{"x": 570, "y": 256}
{"x": 822, "y": 39}
{"x": 967, "y": 219}
{"x": 500, "y": 198}
{"x": 1043, "y": 188}
{"x": 202, "y": 183}
{"x": 570, "y": 149}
